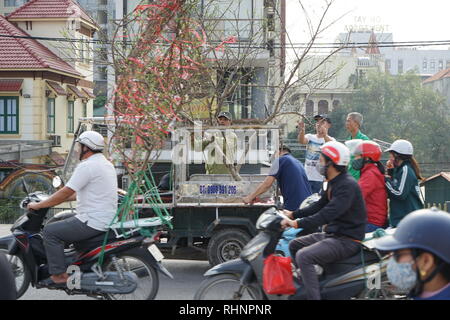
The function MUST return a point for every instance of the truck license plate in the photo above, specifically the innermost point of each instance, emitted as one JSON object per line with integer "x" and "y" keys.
{"x": 156, "y": 252}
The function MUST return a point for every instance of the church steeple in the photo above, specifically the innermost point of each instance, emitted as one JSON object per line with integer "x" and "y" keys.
{"x": 372, "y": 47}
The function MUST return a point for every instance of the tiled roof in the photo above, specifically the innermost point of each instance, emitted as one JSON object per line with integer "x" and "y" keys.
{"x": 48, "y": 9}
{"x": 57, "y": 88}
{"x": 28, "y": 54}
{"x": 10, "y": 85}
{"x": 438, "y": 76}
{"x": 76, "y": 91}
{"x": 445, "y": 175}
{"x": 89, "y": 94}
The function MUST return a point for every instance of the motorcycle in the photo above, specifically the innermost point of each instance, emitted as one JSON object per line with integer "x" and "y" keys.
{"x": 8, "y": 287}
{"x": 129, "y": 269}
{"x": 292, "y": 233}
{"x": 362, "y": 276}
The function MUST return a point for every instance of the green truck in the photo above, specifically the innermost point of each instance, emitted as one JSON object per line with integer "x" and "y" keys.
{"x": 209, "y": 216}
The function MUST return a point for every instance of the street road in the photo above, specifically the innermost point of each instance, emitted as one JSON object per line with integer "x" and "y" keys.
{"x": 188, "y": 274}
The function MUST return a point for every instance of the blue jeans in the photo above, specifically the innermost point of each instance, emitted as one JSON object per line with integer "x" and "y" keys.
{"x": 371, "y": 227}
{"x": 316, "y": 186}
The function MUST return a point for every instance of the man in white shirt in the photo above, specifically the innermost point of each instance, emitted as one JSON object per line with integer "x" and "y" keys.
{"x": 94, "y": 186}
{"x": 313, "y": 143}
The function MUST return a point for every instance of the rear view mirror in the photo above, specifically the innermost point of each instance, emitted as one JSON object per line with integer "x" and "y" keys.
{"x": 56, "y": 182}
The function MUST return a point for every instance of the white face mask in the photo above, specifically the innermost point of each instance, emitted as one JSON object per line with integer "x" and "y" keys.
{"x": 401, "y": 275}
{"x": 321, "y": 169}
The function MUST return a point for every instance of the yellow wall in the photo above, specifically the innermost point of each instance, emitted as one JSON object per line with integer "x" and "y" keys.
{"x": 33, "y": 115}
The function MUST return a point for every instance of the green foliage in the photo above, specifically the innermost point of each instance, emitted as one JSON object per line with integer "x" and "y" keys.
{"x": 100, "y": 101}
{"x": 399, "y": 107}
{"x": 9, "y": 210}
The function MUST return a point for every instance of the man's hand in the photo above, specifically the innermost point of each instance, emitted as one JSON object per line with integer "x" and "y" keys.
{"x": 33, "y": 206}
{"x": 248, "y": 200}
{"x": 301, "y": 125}
{"x": 289, "y": 214}
{"x": 288, "y": 223}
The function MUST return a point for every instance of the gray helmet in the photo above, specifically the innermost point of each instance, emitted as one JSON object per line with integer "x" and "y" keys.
{"x": 426, "y": 229}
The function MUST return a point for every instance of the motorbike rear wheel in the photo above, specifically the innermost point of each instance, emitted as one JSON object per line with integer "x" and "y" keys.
{"x": 137, "y": 262}
{"x": 226, "y": 287}
{"x": 20, "y": 271}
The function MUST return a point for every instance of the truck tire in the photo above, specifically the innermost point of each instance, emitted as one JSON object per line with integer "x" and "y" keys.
{"x": 226, "y": 245}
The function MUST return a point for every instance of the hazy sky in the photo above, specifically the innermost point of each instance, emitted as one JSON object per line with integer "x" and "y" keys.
{"x": 408, "y": 20}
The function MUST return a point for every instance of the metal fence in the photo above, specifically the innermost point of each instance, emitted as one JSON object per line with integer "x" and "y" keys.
{"x": 444, "y": 207}
{"x": 9, "y": 214}
{"x": 427, "y": 169}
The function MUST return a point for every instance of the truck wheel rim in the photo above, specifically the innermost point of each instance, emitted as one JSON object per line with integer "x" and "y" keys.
{"x": 231, "y": 250}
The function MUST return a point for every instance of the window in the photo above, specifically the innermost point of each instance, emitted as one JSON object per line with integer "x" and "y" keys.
{"x": 336, "y": 104}
{"x": 84, "y": 109}
{"x": 82, "y": 50}
{"x": 441, "y": 65}
{"x": 50, "y": 115}
{"x": 70, "y": 117}
{"x": 388, "y": 64}
{"x": 425, "y": 64}
{"x": 102, "y": 17}
{"x": 9, "y": 115}
{"x": 309, "y": 108}
{"x": 447, "y": 64}
{"x": 432, "y": 65}
{"x": 11, "y": 3}
{"x": 29, "y": 25}
{"x": 239, "y": 101}
{"x": 323, "y": 107}
{"x": 400, "y": 66}
{"x": 103, "y": 73}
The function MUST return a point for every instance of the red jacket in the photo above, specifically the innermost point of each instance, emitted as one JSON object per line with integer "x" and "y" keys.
{"x": 374, "y": 193}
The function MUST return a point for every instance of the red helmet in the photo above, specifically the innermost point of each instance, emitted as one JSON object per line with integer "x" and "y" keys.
{"x": 337, "y": 152}
{"x": 368, "y": 149}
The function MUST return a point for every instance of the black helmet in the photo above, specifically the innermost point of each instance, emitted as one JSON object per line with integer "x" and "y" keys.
{"x": 426, "y": 229}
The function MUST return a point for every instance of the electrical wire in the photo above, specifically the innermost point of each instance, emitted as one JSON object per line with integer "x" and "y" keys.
{"x": 299, "y": 45}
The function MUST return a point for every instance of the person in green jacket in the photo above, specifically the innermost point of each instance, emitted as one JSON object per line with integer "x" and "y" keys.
{"x": 402, "y": 182}
{"x": 353, "y": 125}
{"x": 226, "y": 141}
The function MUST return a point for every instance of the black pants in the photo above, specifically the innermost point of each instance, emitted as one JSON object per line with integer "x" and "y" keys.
{"x": 57, "y": 234}
{"x": 320, "y": 249}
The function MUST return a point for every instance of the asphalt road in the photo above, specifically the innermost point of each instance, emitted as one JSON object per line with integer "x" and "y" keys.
{"x": 188, "y": 274}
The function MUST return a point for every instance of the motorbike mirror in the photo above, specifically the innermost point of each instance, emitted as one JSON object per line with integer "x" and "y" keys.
{"x": 56, "y": 182}
{"x": 25, "y": 187}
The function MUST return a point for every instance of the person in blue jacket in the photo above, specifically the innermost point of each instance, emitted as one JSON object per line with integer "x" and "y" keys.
{"x": 421, "y": 255}
{"x": 291, "y": 178}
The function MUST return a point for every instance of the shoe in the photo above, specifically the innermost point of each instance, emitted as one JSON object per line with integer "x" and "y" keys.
{"x": 48, "y": 283}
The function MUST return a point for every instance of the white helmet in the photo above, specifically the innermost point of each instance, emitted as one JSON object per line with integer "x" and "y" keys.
{"x": 337, "y": 152}
{"x": 402, "y": 147}
{"x": 92, "y": 139}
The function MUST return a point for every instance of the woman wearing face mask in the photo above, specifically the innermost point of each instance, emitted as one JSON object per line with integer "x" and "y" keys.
{"x": 402, "y": 181}
{"x": 421, "y": 255}
{"x": 367, "y": 156}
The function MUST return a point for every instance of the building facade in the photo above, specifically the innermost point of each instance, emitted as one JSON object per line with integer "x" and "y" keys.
{"x": 46, "y": 85}
{"x": 398, "y": 60}
{"x": 8, "y": 6}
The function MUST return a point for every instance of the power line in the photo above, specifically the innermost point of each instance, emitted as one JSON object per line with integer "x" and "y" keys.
{"x": 299, "y": 45}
